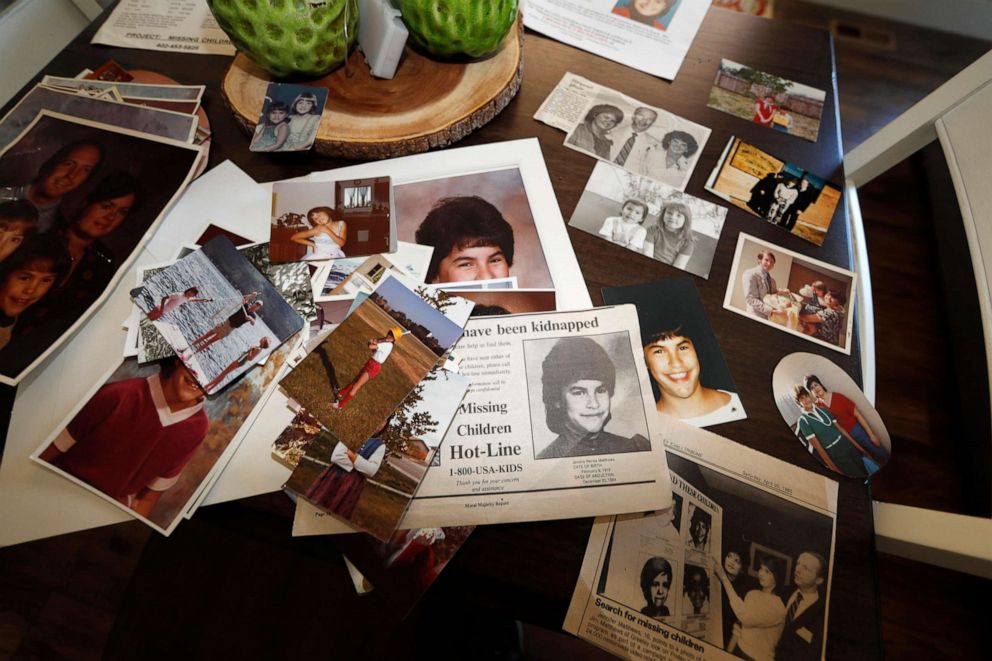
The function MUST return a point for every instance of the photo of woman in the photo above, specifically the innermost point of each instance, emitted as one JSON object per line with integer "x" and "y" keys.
{"x": 761, "y": 612}
{"x": 593, "y": 134}
{"x": 325, "y": 237}
{"x": 847, "y": 415}
{"x": 340, "y": 486}
{"x": 827, "y": 441}
{"x": 579, "y": 381}
{"x": 679, "y": 148}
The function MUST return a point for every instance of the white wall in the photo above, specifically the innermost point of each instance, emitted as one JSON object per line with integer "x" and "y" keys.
{"x": 32, "y": 32}
{"x": 972, "y": 18}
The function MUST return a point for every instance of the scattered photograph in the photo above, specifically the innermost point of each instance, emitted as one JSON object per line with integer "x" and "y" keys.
{"x": 163, "y": 123}
{"x": 404, "y": 568}
{"x": 111, "y": 71}
{"x": 489, "y": 303}
{"x": 647, "y": 141}
{"x": 135, "y": 90}
{"x": 329, "y": 315}
{"x": 365, "y": 278}
{"x": 290, "y": 118}
{"x": 371, "y": 487}
{"x": 354, "y": 380}
{"x": 830, "y": 416}
{"x": 650, "y": 218}
{"x": 218, "y": 312}
{"x": 486, "y": 235}
{"x": 588, "y": 390}
{"x": 689, "y": 376}
{"x": 319, "y": 221}
{"x": 798, "y": 294}
{"x": 83, "y": 198}
{"x": 781, "y": 193}
{"x": 778, "y": 103}
{"x": 213, "y": 231}
{"x": 147, "y": 438}
{"x": 655, "y": 13}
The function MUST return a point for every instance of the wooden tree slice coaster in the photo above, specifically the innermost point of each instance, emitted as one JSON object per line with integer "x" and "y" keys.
{"x": 428, "y": 104}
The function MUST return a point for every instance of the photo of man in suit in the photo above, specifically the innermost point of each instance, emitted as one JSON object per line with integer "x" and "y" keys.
{"x": 802, "y": 637}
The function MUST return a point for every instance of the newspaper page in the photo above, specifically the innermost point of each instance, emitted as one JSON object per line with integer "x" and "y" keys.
{"x": 555, "y": 425}
{"x": 185, "y": 26}
{"x": 652, "y": 37}
{"x": 741, "y": 563}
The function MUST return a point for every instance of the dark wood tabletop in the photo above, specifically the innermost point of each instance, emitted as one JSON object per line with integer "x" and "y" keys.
{"x": 232, "y": 580}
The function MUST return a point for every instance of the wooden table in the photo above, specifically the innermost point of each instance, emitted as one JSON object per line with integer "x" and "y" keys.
{"x": 232, "y": 580}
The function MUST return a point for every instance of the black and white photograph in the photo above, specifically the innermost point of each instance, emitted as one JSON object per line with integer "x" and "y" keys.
{"x": 830, "y": 416}
{"x": 89, "y": 196}
{"x": 650, "y": 218}
{"x": 218, "y": 312}
{"x": 759, "y": 593}
{"x": 290, "y": 118}
{"x": 791, "y": 292}
{"x": 588, "y": 390}
{"x": 689, "y": 376}
{"x": 647, "y": 141}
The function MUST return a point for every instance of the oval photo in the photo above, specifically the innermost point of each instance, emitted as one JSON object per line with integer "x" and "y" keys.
{"x": 830, "y": 415}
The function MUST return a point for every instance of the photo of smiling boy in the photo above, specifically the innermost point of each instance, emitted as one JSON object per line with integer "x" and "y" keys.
{"x": 674, "y": 366}
{"x": 689, "y": 375}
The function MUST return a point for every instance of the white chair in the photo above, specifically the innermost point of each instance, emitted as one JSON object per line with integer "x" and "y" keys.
{"x": 959, "y": 114}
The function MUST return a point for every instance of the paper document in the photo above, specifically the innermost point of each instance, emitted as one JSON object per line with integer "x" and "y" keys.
{"x": 185, "y": 26}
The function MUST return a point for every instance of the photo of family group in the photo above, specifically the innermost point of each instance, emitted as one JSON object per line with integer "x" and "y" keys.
{"x": 585, "y": 398}
{"x": 657, "y": 14}
{"x": 749, "y": 574}
{"x": 321, "y": 221}
{"x": 650, "y": 218}
{"x": 798, "y": 294}
{"x": 148, "y": 438}
{"x": 689, "y": 376}
{"x": 480, "y": 226}
{"x": 371, "y": 487}
{"x": 290, "y": 118}
{"x": 830, "y": 416}
{"x": 357, "y": 377}
{"x": 647, "y": 141}
{"x": 217, "y": 312}
{"x": 763, "y": 98}
{"x": 781, "y": 193}
{"x": 77, "y": 200}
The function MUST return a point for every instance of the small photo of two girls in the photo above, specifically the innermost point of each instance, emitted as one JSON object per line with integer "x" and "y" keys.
{"x": 290, "y": 118}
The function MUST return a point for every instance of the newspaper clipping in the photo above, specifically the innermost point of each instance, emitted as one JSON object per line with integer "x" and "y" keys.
{"x": 739, "y": 565}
